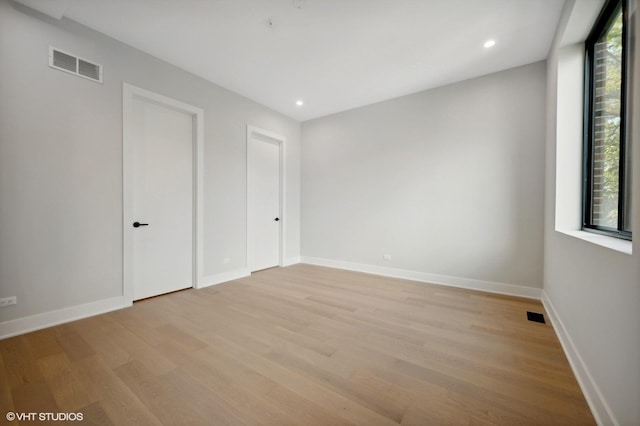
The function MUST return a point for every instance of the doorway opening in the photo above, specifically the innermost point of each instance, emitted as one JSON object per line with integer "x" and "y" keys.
{"x": 266, "y": 194}
{"x": 162, "y": 194}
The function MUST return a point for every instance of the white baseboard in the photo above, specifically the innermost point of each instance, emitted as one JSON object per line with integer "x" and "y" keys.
{"x": 73, "y": 313}
{"x": 598, "y": 405}
{"x": 60, "y": 316}
{"x": 291, "y": 261}
{"x": 223, "y": 277}
{"x": 488, "y": 286}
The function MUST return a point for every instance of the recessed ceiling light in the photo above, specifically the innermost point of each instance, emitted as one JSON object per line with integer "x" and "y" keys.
{"x": 489, "y": 43}
{"x": 299, "y": 102}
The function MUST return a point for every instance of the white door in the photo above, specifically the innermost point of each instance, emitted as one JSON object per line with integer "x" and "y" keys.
{"x": 162, "y": 189}
{"x": 264, "y": 211}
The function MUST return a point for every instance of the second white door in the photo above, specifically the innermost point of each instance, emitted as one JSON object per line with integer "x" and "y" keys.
{"x": 162, "y": 185}
{"x": 264, "y": 211}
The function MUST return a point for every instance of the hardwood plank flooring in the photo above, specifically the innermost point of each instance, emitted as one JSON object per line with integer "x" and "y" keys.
{"x": 301, "y": 345}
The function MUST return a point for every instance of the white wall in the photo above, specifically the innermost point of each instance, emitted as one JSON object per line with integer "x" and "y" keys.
{"x": 61, "y": 164}
{"x": 593, "y": 290}
{"x": 449, "y": 182}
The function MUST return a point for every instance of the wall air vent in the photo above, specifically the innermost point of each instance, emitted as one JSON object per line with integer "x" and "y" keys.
{"x": 67, "y": 62}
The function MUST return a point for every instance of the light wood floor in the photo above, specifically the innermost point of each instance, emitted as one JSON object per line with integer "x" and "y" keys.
{"x": 301, "y": 345}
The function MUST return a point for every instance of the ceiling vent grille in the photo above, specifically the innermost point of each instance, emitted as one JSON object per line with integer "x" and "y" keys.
{"x": 68, "y": 62}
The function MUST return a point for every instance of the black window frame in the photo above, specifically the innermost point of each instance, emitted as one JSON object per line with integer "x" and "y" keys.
{"x": 602, "y": 24}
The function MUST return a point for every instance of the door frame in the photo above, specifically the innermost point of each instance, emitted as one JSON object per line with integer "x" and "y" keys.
{"x": 129, "y": 94}
{"x": 281, "y": 141}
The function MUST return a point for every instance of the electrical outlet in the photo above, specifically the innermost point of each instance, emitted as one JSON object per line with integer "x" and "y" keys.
{"x": 8, "y": 301}
{"x": 226, "y": 260}
{"x": 386, "y": 257}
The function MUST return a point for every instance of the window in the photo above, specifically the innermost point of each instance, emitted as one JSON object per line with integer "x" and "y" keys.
{"x": 607, "y": 156}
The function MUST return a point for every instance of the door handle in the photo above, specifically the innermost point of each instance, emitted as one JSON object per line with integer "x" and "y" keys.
{"x": 276, "y": 219}
{"x": 138, "y": 224}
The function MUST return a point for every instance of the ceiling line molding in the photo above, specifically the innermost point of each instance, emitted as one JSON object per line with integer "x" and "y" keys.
{"x": 54, "y": 8}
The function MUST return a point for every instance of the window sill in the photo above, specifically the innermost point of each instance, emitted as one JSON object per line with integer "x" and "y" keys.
{"x": 617, "y": 244}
